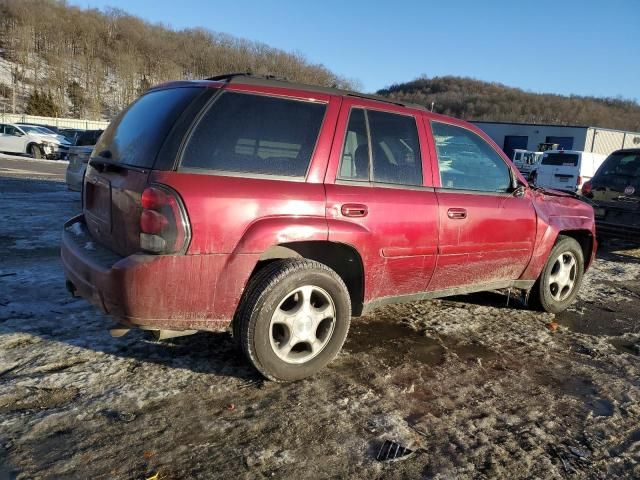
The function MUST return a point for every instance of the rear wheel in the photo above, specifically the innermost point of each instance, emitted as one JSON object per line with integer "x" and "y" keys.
{"x": 294, "y": 319}
{"x": 35, "y": 151}
{"x": 561, "y": 277}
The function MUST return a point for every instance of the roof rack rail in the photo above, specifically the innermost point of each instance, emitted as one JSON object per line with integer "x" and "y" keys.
{"x": 227, "y": 77}
{"x": 378, "y": 98}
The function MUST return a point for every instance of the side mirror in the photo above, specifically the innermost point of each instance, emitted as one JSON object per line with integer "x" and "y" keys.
{"x": 18, "y": 133}
{"x": 520, "y": 191}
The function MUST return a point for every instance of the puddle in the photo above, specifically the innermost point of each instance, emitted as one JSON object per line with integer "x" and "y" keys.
{"x": 395, "y": 343}
{"x": 626, "y": 346}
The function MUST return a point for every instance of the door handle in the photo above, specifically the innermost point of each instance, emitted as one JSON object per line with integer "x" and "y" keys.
{"x": 354, "y": 210}
{"x": 457, "y": 213}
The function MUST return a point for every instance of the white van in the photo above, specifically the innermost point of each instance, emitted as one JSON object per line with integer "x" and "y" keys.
{"x": 566, "y": 169}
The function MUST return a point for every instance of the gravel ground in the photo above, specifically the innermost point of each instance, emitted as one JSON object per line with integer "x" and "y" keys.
{"x": 478, "y": 386}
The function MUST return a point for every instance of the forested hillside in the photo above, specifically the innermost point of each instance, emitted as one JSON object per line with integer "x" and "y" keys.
{"x": 90, "y": 63}
{"x": 475, "y": 100}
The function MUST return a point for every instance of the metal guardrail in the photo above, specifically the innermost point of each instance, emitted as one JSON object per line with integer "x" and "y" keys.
{"x": 54, "y": 121}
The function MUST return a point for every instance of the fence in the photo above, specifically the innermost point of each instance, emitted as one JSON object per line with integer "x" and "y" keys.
{"x": 53, "y": 121}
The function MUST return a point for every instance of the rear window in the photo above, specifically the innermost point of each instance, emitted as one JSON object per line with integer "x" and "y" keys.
{"x": 136, "y": 135}
{"x": 88, "y": 138}
{"x": 255, "y": 134}
{"x": 621, "y": 165}
{"x": 560, "y": 159}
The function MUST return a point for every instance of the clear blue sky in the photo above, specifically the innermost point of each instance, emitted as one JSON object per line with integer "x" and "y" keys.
{"x": 588, "y": 47}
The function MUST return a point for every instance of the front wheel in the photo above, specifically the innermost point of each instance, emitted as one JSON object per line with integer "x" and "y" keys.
{"x": 35, "y": 152}
{"x": 561, "y": 277}
{"x": 294, "y": 319}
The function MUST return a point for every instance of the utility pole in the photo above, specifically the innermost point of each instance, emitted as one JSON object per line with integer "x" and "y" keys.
{"x": 13, "y": 90}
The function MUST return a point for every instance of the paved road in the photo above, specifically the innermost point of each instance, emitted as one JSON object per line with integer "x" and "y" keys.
{"x": 22, "y": 167}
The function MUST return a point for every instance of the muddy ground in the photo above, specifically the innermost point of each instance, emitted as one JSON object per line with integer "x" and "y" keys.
{"x": 478, "y": 386}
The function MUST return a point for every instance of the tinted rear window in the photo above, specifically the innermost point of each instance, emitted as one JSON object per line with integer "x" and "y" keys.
{"x": 88, "y": 138}
{"x": 257, "y": 134}
{"x": 136, "y": 135}
{"x": 560, "y": 159}
{"x": 621, "y": 165}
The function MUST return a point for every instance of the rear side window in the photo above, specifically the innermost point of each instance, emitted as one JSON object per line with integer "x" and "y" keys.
{"x": 560, "y": 159}
{"x": 467, "y": 162}
{"x": 255, "y": 134}
{"x": 395, "y": 150}
{"x": 136, "y": 135}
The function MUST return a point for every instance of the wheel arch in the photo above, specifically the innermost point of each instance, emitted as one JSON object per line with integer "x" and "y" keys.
{"x": 586, "y": 241}
{"x": 344, "y": 259}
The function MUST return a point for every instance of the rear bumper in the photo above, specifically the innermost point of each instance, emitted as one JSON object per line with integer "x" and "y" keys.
{"x": 175, "y": 292}
{"x": 627, "y": 232}
{"x": 617, "y": 221}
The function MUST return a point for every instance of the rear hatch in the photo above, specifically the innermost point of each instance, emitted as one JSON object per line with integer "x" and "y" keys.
{"x": 122, "y": 160}
{"x": 559, "y": 170}
{"x": 615, "y": 189}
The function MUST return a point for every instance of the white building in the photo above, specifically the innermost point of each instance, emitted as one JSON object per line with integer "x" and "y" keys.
{"x": 527, "y": 136}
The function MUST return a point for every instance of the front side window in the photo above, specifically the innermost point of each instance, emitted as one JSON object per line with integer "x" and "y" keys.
{"x": 10, "y": 130}
{"x": 255, "y": 134}
{"x": 394, "y": 146}
{"x": 467, "y": 162}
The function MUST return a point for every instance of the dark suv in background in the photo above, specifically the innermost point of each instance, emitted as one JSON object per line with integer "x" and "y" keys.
{"x": 614, "y": 191}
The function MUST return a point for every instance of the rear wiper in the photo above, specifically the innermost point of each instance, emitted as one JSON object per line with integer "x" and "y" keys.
{"x": 104, "y": 164}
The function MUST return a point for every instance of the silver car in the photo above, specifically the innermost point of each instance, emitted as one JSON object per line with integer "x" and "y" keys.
{"x": 79, "y": 155}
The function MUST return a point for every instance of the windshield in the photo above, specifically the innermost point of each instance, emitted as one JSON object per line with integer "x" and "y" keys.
{"x": 136, "y": 135}
{"x": 561, "y": 159}
{"x": 46, "y": 131}
{"x": 29, "y": 129}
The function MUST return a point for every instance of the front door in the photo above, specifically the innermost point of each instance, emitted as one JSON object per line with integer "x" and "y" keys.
{"x": 11, "y": 139}
{"x": 379, "y": 198}
{"x": 487, "y": 233}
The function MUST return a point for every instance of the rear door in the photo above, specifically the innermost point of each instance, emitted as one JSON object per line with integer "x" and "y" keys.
{"x": 123, "y": 158}
{"x": 379, "y": 196}
{"x": 486, "y": 232}
{"x": 559, "y": 170}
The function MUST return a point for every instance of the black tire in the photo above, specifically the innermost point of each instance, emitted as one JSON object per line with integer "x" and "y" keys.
{"x": 543, "y": 294}
{"x": 266, "y": 291}
{"x": 35, "y": 151}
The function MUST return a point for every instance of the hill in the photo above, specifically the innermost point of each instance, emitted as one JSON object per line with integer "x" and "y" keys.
{"x": 476, "y": 100}
{"x": 92, "y": 63}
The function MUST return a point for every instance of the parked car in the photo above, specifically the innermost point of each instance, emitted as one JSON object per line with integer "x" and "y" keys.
{"x": 79, "y": 154}
{"x": 283, "y": 210}
{"x": 31, "y": 140}
{"x": 615, "y": 193}
{"x": 71, "y": 134}
{"x": 566, "y": 170}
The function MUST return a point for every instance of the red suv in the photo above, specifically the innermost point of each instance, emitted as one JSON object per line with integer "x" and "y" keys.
{"x": 284, "y": 210}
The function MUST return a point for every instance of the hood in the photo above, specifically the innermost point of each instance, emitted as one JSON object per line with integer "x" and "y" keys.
{"x": 44, "y": 137}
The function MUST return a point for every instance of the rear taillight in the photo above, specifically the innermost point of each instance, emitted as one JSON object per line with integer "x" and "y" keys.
{"x": 164, "y": 226}
{"x": 586, "y": 188}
